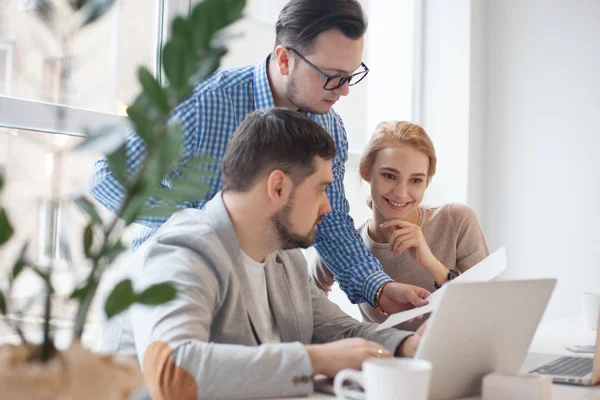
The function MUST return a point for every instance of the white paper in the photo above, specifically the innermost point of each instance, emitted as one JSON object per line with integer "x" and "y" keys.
{"x": 487, "y": 269}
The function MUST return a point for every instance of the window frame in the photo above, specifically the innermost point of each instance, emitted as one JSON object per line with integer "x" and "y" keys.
{"x": 40, "y": 116}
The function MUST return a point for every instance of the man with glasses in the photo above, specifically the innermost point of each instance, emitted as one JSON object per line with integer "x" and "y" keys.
{"x": 317, "y": 56}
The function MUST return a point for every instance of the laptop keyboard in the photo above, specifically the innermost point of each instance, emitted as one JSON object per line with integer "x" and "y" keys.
{"x": 567, "y": 366}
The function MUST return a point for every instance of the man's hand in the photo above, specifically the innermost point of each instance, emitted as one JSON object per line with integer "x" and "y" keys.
{"x": 408, "y": 347}
{"x": 397, "y": 297}
{"x": 330, "y": 358}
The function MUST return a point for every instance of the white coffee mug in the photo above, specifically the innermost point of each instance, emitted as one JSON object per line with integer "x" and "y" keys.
{"x": 590, "y": 304}
{"x": 387, "y": 378}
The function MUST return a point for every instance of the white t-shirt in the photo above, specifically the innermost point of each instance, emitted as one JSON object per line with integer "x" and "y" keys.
{"x": 258, "y": 283}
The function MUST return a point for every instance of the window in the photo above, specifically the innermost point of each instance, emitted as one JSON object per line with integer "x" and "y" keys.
{"x": 56, "y": 86}
{"x": 100, "y": 61}
{"x": 5, "y": 66}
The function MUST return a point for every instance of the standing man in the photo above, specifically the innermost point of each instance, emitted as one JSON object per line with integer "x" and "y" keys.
{"x": 317, "y": 56}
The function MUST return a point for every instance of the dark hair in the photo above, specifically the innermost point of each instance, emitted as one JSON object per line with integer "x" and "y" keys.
{"x": 271, "y": 139}
{"x": 301, "y": 21}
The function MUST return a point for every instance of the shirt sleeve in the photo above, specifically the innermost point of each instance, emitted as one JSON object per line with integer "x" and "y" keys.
{"x": 173, "y": 340}
{"x": 105, "y": 187}
{"x": 321, "y": 275}
{"x": 339, "y": 244}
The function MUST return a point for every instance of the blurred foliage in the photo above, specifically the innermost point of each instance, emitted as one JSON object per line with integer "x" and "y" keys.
{"x": 192, "y": 53}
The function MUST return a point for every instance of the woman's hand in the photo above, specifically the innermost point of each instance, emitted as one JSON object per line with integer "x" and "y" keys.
{"x": 408, "y": 236}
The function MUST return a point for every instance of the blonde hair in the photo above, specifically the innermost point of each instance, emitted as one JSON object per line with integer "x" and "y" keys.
{"x": 396, "y": 133}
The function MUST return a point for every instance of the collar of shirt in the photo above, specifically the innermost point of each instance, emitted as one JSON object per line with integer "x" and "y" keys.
{"x": 263, "y": 98}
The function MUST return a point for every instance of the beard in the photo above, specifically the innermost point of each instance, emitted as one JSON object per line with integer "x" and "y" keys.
{"x": 288, "y": 239}
{"x": 293, "y": 95}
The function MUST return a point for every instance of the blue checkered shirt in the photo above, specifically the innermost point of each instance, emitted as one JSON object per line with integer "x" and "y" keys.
{"x": 209, "y": 118}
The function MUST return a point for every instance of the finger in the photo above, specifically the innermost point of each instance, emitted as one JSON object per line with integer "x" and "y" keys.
{"x": 401, "y": 240}
{"x": 422, "y": 292}
{"x": 396, "y": 221}
{"x": 400, "y": 249}
{"x": 381, "y": 352}
{"x": 414, "y": 299}
{"x": 399, "y": 233}
{"x": 406, "y": 244}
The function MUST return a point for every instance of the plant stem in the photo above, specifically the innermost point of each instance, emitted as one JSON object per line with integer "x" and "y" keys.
{"x": 93, "y": 281}
{"x": 47, "y": 346}
{"x": 17, "y": 329}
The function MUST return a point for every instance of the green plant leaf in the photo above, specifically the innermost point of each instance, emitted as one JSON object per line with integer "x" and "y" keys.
{"x": 236, "y": 9}
{"x": 45, "y": 11}
{"x": 96, "y": 10}
{"x": 117, "y": 161}
{"x": 112, "y": 252}
{"x": 171, "y": 147}
{"x": 203, "y": 26}
{"x": 164, "y": 161}
{"x": 182, "y": 29}
{"x": 193, "y": 174}
{"x": 208, "y": 65}
{"x": 178, "y": 65}
{"x": 220, "y": 11}
{"x": 225, "y": 12}
{"x": 158, "y": 211}
{"x": 139, "y": 113}
{"x": 200, "y": 163}
{"x": 132, "y": 209}
{"x": 157, "y": 294}
{"x": 89, "y": 209}
{"x": 20, "y": 263}
{"x": 1, "y": 180}
{"x": 6, "y": 229}
{"x": 80, "y": 293}
{"x": 184, "y": 190}
{"x": 153, "y": 90}
{"x": 120, "y": 299}
{"x": 3, "y": 309}
{"x": 77, "y": 5}
{"x": 88, "y": 240}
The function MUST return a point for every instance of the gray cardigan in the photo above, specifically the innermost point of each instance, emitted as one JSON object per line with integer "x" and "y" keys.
{"x": 205, "y": 343}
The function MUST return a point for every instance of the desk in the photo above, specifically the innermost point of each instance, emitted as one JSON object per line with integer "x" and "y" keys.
{"x": 550, "y": 338}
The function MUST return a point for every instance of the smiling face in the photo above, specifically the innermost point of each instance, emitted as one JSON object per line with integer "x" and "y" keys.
{"x": 398, "y": 179}
{"x": 334, "y": 54}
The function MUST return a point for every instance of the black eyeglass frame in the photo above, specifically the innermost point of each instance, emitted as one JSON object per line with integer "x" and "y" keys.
{"x": 343, "y": 78}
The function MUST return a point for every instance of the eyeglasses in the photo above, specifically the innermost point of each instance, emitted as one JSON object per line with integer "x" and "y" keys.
{"x": 337, "y": 81}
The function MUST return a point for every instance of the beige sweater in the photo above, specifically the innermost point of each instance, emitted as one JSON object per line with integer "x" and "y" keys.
{"x": 454, "y": 237}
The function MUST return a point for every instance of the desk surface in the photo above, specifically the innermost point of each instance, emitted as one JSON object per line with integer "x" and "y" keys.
{"x": 550, "y": 338}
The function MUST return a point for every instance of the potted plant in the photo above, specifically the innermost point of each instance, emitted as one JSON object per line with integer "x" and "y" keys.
{"x": 40, "y": 370}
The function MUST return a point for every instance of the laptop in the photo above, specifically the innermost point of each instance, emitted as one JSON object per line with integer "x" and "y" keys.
{"x": 481, "y": 328}
{"x": 477, "y": 329}
{"x": 583, "y": 371}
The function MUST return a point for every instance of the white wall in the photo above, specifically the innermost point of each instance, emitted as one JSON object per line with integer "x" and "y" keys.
{"x": 511, "y": 98}
{"x": 543, "y": 137}
{"x": 445, "y": 105}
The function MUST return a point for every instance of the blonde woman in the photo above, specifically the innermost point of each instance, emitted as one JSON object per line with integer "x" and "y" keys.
{"x": 416, "y": 244}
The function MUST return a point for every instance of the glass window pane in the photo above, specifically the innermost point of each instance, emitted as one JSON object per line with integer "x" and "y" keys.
{"x": 95, "y": 69}
{"x": 3, "y": 71}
